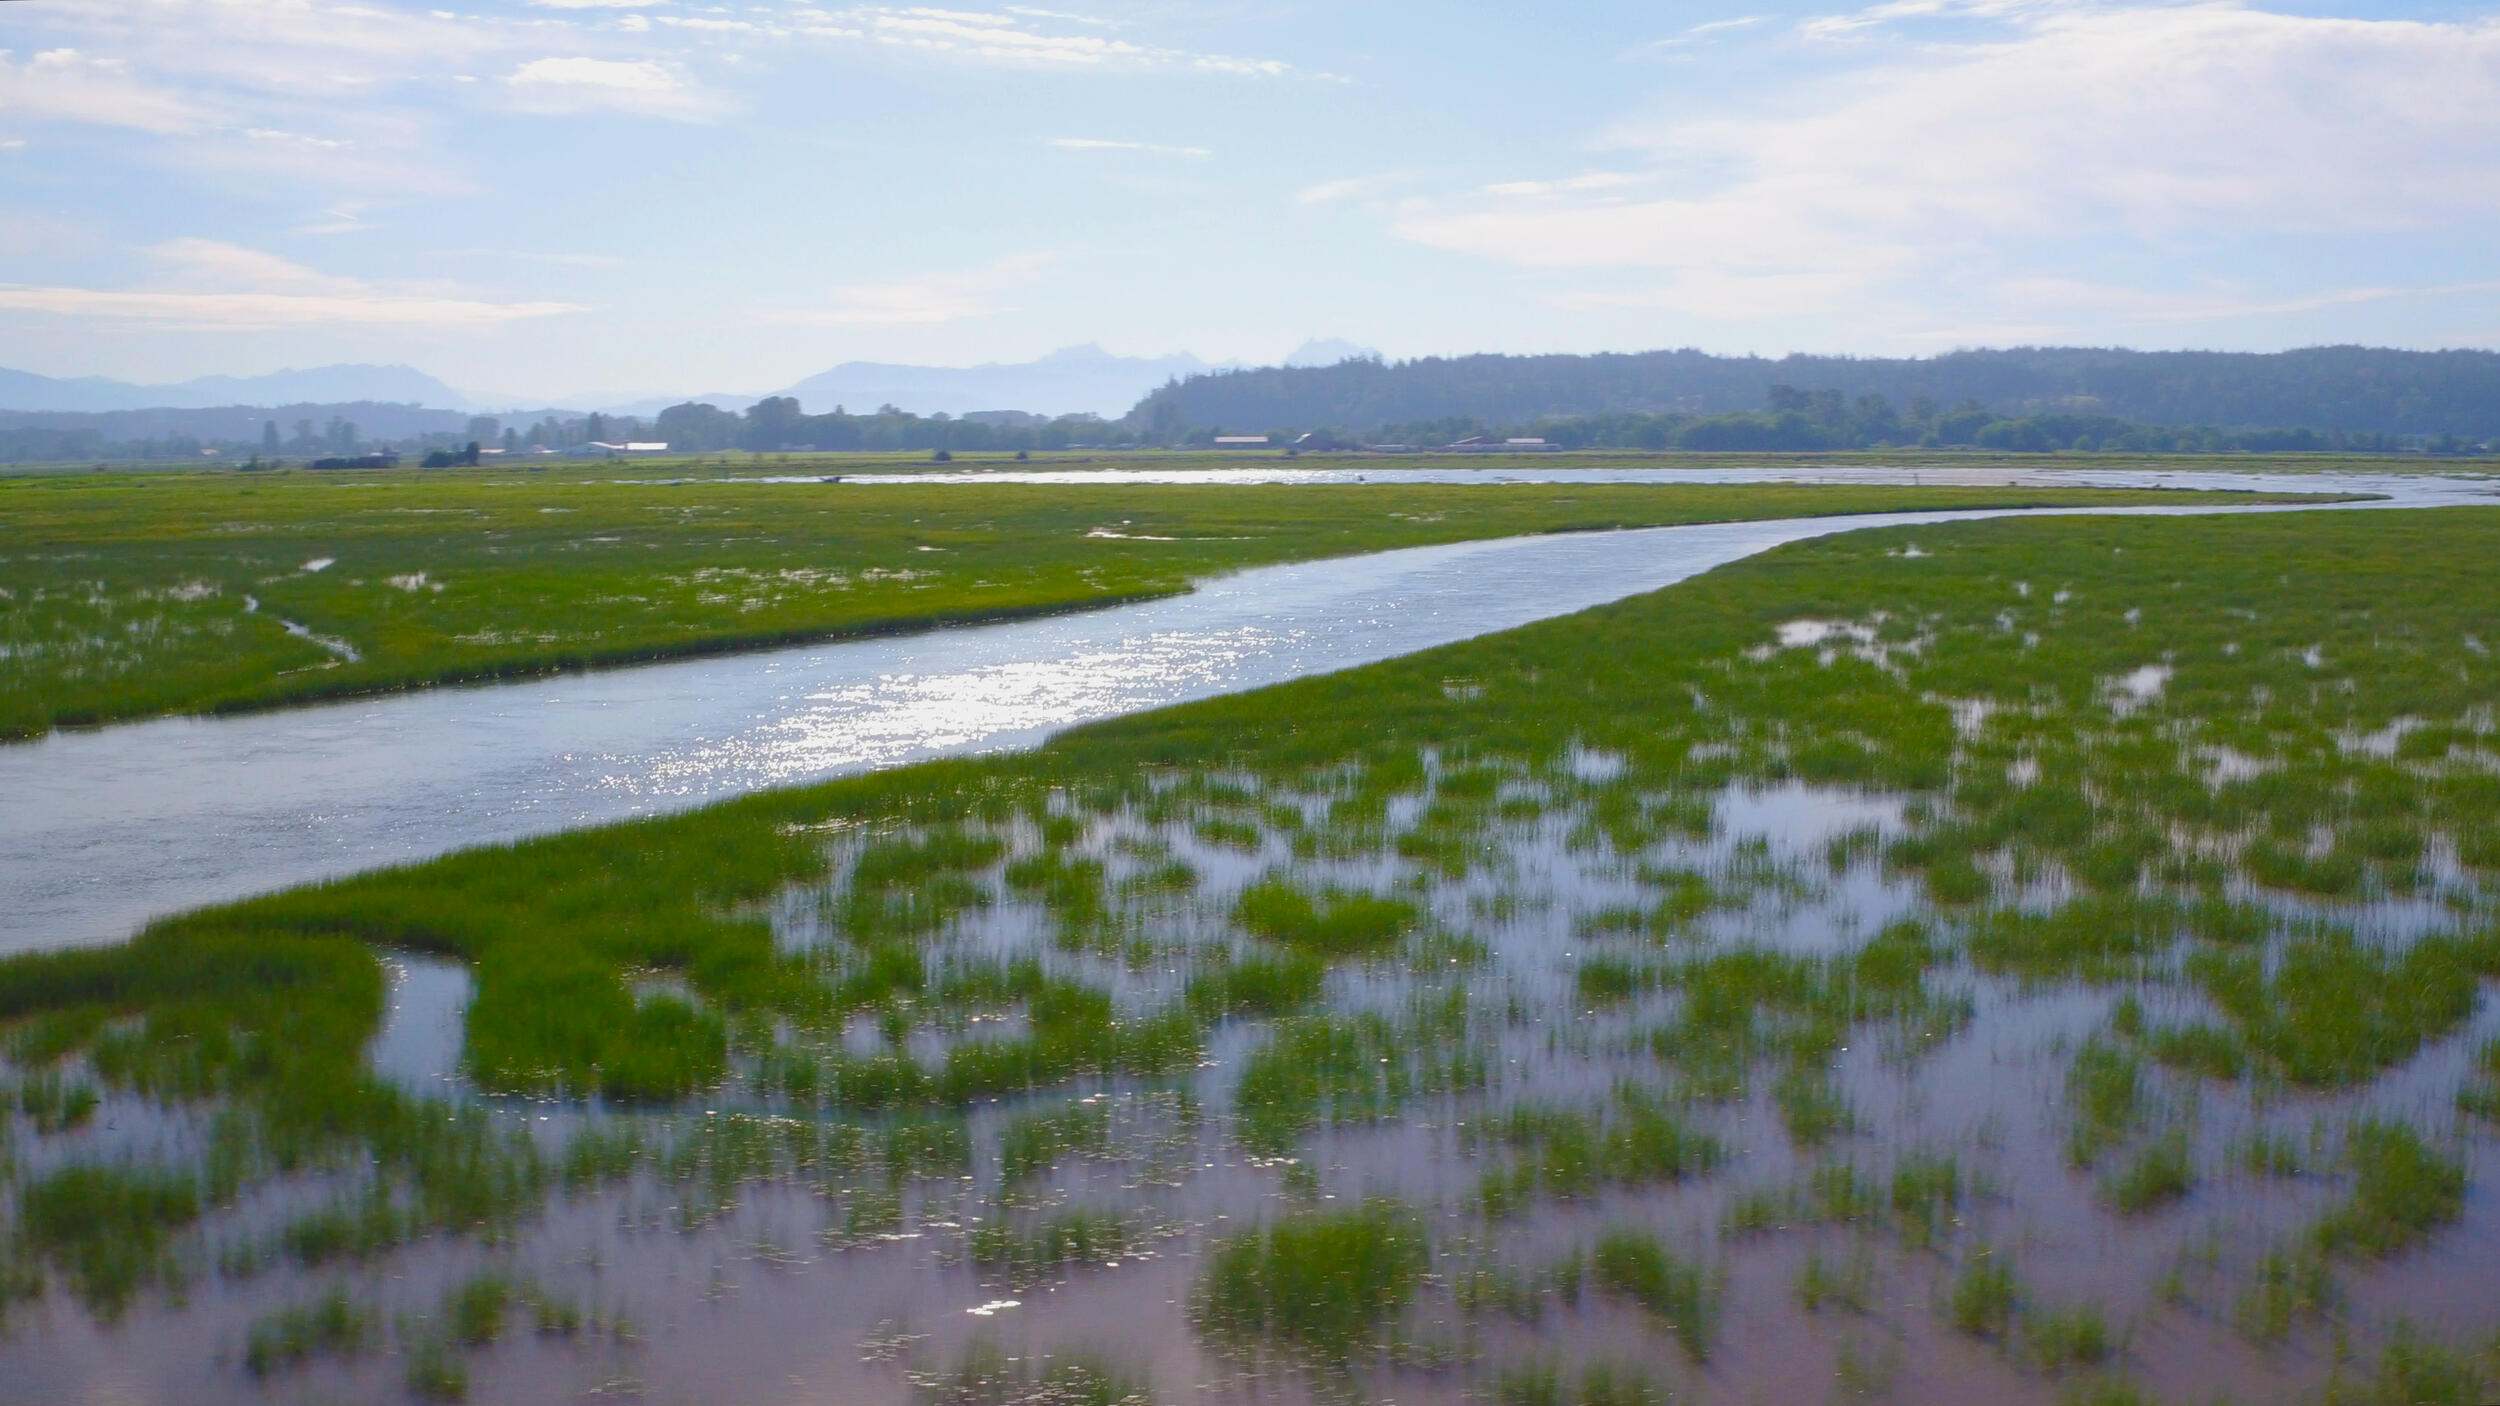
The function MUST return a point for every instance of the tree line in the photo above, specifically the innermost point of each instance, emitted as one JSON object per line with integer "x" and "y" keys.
{"x": 2413, "y": 397}
{"x": 1793, "y": 420}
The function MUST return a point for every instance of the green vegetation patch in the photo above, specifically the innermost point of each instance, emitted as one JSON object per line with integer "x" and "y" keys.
{"x": 1324, "y": 1281}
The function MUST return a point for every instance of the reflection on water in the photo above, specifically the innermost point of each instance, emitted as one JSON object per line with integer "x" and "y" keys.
{"x": 105, "y": 829}
{"x": 836, "y": 1286}
{"x": 424, "y": 999}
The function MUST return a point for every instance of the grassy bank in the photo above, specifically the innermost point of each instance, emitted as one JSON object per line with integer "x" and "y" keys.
{"x": 1811, "y": 957}
{"x": 127, "y": 596}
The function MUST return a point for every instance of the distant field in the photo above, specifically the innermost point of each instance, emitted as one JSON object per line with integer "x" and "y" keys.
{"x": 132, "y": 595}
{"x": 739, "y": 463}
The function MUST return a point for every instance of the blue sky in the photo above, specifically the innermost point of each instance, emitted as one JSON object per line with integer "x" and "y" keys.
{"x": 562, "y": 198}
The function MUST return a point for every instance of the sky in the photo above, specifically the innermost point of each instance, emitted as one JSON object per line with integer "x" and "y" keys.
{"x": 555, "y": 200}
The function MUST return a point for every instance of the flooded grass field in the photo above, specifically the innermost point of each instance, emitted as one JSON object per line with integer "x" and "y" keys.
{"x": 2040, "y": 961}
{"x": 132, "y": 595}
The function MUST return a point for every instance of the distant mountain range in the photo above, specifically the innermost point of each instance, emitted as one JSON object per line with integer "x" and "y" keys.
{"x": 1073, "y": 380}
{"x": 1083, "y": 380}
{"x": 319, "y": 385}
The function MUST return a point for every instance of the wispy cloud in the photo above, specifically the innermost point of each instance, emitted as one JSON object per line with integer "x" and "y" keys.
{"x": 1351, "y": 188}
{"x": 65, "y": 85}
{"x": 926, "y": 299}
{"x": 209, "y": 284}
{"x": 575, "y": 84}
{"x": 1993, "y": 151}
{"x": 1022, "y": 37}
{"x": 1696, "y": 35}
{"x": 1193, "y": 153}
{"x": 1857, "y": 24}
{"x": 1566, "y": 185}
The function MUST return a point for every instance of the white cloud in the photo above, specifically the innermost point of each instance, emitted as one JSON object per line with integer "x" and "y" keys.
{"x": 212, "y": 263}
{"x": 596, "y": 4}
{"x": 241, "y": 311}
{"x": 65, "y": 85}
{"x": 568, "y": 85}
{"x": 2141, "y": 127}
{"x": 1350, "y": 188}
{"x": 1586, "y": 180}
{"x": 1015, "y": 37}
{"x": 211, "y": 284}
{"x": 922, "y": 301}
{"x": 1697, "y": 34}
{"x": 1193, "y": 153}
{"x": 1864, "y": 23}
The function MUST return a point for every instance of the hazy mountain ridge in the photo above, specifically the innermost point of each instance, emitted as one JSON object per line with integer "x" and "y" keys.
{"x": 341, "y": 384}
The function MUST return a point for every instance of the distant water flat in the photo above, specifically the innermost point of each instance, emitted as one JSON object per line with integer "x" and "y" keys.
{"x": 105, "y": 829}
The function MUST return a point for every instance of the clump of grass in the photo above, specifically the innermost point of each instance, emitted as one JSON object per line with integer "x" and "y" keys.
{"x": 334, "y": 1326}
{"x": 2100, "y": 937}
{"x": 1810, "y": 1108}
{"x": 2076, "y": 1336}
{"x": 1639, "y": 1266}
{"x": 2105, "y": 1087}
{"x": 1836, "y": 1192}
{"x": 1572, "y": 1152}
{"x": 1599, "y": 1384}
{"x": 986, "y": 1376}
{"x": 2417, "y": 1371}
{"x": 1323, "y": 1281}
{"x": 2290, "y": 1284}
{"x": 1255, "y": 985}
{"x": 1032, "y": 1143}
{"x": 2332, "y": 1012}
{"x": 105, "y": 1227}
{"x": 2402, "y": 1191}
{"x": 1984, "y": 1295}
{"x": 2161, "y": 1172}
{"x": 1224, "y": 832}
{"x": 1850, "y": 1285}
{"x": 2203, "y": 1049}
{"x": 475, "y": 1310}
{"x": 1926, "y": 1187}
{"x": 54, "y": 1104}
{"x": 2271, "y": 1154}
{"x": 1062, "y": 1238}
{"x": 435, "y": 1374}
{"x": 1347, "y": 1069}
{"x": 1329, "y": 923}
{"x": 2481, "y": 1096}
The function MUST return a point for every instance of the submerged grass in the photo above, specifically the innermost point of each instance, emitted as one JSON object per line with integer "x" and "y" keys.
{"x": 1638, "y": 1265}
{"x": 1325, "y": 1281}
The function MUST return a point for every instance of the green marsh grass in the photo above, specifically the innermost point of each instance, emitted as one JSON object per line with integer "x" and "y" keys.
{"x": 1637, "y": 1265}
{"x": 1985, "y": 1295}
{"x": 985, "y": 1375}
{"x": 332, "y": 1326}
{"x": 1325, "y": 1281}
{"x": 2403, "y": 1189}
{"x": 2160, "y": 1172}
{"x": 567, "y": 569}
